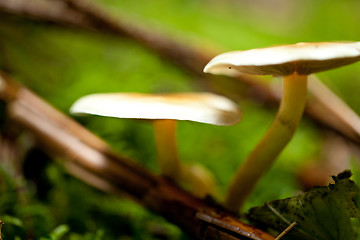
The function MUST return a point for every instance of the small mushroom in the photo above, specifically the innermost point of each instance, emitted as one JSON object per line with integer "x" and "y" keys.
{"x": 165, "y": 110}
{"x": 294, "y": 63}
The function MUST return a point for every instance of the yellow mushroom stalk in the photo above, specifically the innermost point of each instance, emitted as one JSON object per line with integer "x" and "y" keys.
{"x": 276, "y": 138}
{"x": 294, "y": 63}
{"x": 166, "y": 144}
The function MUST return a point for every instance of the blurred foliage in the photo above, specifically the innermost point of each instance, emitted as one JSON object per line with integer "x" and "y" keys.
{"x": 81, "y": 211}
{"x": 324, "y": 212}
{"x": 62, "y": 64}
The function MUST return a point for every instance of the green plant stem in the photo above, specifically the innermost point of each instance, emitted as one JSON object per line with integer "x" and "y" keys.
{"x": 276, "y": 138}
{"x": 166, "y": 146}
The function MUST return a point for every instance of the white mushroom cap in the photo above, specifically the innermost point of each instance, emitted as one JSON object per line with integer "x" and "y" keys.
{"x": 198, "y": 107}
{"x": 303, "y": 58}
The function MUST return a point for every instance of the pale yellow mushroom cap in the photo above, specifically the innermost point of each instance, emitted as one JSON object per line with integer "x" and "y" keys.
{"x": 303, "y": 58}
{"x": 198, "y": 107}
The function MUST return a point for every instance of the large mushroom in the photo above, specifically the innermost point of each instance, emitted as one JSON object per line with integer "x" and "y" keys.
{"x": 165, "y": 110}
{"x": 294, "y": 63}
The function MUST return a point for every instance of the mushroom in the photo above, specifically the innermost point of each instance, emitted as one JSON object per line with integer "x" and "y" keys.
{"x": 294, "y": 63}
{"x": 165, "y": 110}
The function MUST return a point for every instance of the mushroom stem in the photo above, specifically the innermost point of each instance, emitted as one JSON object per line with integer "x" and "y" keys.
{"x": 194, "y": 177}
{"x": 279, "y": 134}
{"x": 198, "y": 179}
{"x": 166, "y": 146}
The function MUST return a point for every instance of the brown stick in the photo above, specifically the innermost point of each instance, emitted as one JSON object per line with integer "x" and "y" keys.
{"x": 84, "y": 15}
{"x": 100, "y": 167}
{"x": 332, "y": 110}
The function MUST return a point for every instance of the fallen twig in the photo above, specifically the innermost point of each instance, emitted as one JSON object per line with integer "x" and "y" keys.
{"x": 90, "y": 159}
{"x": 288, "y": 229}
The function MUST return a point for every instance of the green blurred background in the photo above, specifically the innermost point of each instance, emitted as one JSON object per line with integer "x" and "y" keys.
{"x": 62, "y": 64}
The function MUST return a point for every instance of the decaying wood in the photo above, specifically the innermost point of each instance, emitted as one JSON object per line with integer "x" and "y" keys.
{"x": 90, "y": 159}
{"x": 87, "y": 15}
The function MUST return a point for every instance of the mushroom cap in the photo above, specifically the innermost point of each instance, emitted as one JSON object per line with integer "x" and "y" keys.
{"x": 303, "y": 58}
{"x": 198, "y": 107}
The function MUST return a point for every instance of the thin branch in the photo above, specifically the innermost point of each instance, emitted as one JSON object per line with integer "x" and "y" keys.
{"x": 332, "y": 110}
{"x": 288, "y": 229}
{"x": 103, "y": 169}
